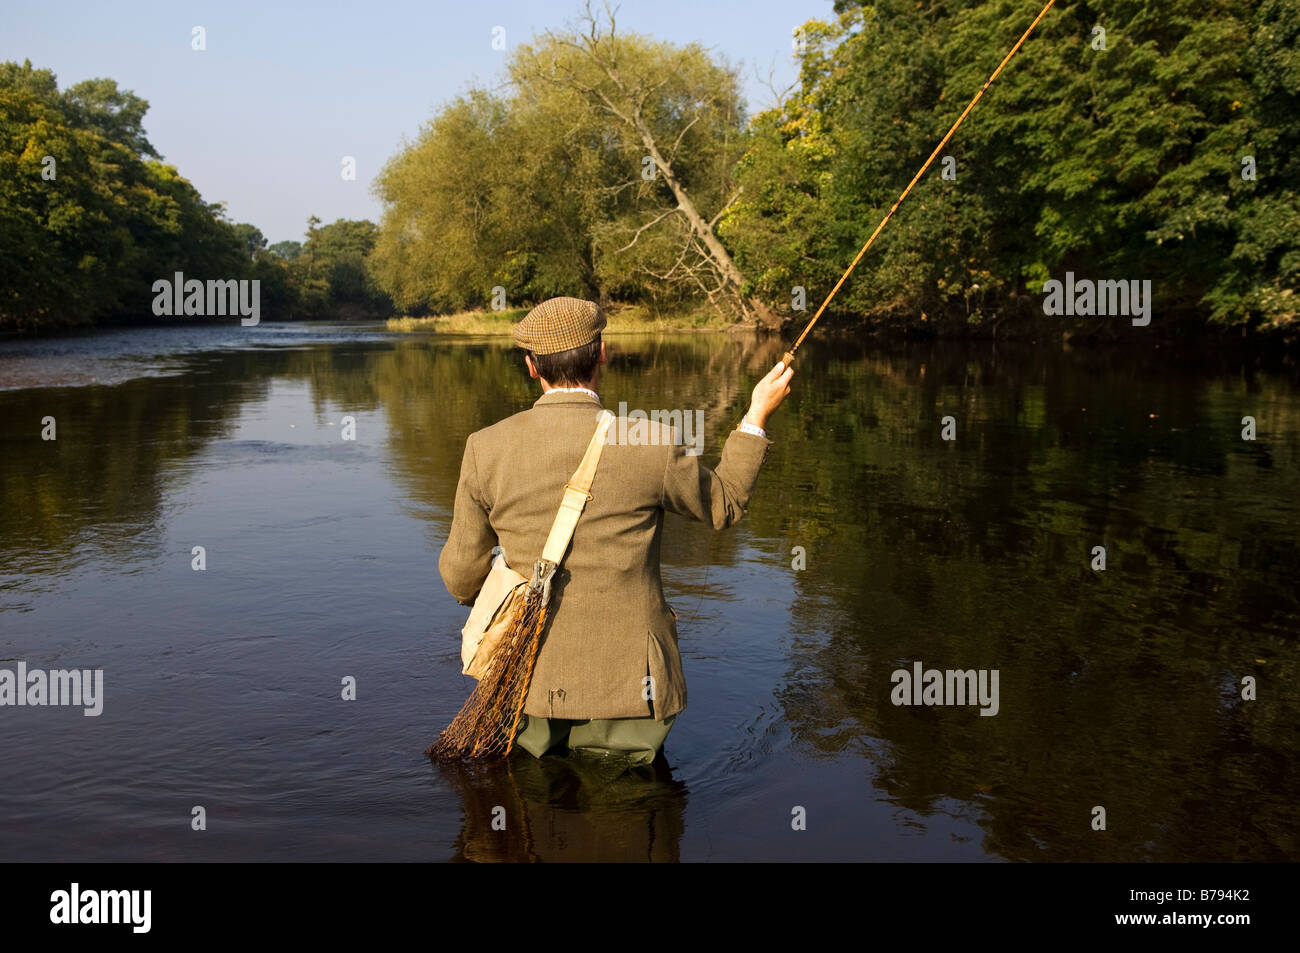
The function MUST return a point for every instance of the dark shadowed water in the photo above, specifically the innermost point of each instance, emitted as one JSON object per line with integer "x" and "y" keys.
{"x": 1119, "y": 688}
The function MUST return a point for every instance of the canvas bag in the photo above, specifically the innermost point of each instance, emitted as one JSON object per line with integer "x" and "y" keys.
{"x": 499, "y": 599}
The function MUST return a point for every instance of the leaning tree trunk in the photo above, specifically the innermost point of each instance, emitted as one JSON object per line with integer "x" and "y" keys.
{"x": 721, "y": 258}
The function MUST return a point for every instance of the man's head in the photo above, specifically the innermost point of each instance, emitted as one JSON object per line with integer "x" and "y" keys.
{"x": 575, "y": 367}
{"x": 562, "y": 338}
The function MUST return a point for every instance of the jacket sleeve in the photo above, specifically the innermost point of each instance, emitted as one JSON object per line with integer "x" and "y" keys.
{"x": 720, "y": 496}
{"x": 466, "y": 558}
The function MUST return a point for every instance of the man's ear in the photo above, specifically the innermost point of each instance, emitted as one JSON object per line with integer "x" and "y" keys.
{"x": 532, "y": 368}
{"x": 602, "y": 354}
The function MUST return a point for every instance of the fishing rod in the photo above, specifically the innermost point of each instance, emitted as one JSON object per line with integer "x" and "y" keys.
{"x": 788, "y": 357}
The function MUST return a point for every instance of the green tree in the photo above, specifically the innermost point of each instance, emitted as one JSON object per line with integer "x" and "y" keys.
{"x": 332, "y": 272}
{"x": 117, "y": 115}
{"x": 539, "y": 188}
{"x": 1119, "y": 158}
{"x": 250, "y": 238}
{"x": 87, "y": 220}
{"x": 288, "y": 250}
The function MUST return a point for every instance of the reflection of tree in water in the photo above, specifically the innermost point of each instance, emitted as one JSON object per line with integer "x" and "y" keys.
{"x": 567, "y": 808}
{"x": 1119, "y": 689}
{"x": 102, "y": 481}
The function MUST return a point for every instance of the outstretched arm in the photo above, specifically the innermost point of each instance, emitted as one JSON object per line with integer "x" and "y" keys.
{"x": 719, "y": 497}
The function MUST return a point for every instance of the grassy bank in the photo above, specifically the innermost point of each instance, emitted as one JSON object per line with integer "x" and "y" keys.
{"x": 632, "y": 319}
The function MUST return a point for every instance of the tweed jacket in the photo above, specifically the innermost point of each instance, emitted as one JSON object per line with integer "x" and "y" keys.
{"x": 609, "y": 625}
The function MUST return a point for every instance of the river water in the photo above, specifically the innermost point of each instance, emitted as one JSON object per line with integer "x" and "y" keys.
{"x": 1163, "y": 689}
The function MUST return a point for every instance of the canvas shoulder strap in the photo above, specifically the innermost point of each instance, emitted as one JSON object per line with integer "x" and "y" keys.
{"x": 576, "y": 493}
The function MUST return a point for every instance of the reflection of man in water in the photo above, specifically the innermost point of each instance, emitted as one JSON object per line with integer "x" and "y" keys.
{"x": 608, "y": 678}
{"x": 568, "y": 809}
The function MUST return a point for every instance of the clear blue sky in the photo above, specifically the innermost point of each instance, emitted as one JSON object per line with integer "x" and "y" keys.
{"x": 262, "y": 118}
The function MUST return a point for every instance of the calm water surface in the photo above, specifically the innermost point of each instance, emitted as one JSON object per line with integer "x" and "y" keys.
{"x": 1119, "y": 688}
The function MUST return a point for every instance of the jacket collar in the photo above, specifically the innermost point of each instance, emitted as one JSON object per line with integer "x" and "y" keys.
{"x": 565, "y": 397}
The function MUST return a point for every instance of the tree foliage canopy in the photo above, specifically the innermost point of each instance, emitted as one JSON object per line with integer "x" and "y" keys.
{"x": 539, "y": 188}
{"x": 90, "y": 217}
{"x": 1129, "y": 140}
{"x": 1115, "y": 157}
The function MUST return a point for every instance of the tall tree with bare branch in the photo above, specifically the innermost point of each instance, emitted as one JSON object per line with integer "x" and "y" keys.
{"x": 677, "y": 118}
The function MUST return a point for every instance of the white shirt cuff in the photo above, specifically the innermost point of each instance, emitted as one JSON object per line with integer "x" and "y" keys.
{"x": 747, "y": 427}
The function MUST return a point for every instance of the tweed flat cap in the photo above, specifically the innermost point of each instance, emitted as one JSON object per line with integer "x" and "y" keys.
{"x": 559, "y": 324}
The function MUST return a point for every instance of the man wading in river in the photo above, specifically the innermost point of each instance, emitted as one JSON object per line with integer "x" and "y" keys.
{"x": 608, "y": 678}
